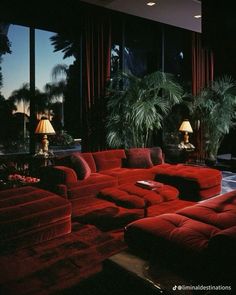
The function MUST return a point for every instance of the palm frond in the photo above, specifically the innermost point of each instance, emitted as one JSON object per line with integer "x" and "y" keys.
{"x": 142, "y": 105}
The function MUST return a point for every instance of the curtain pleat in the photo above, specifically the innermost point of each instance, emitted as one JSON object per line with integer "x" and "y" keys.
{"x": 96, "y": 54}
{"x": 202, "y": 75}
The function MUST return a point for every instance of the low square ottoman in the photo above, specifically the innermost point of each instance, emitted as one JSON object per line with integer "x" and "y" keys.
{"x": 29, "y": 215}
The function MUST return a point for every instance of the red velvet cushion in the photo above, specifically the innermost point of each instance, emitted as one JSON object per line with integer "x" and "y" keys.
{"x": 139, "y": 158}
{"x": 90, "y": 160}
{"x": 77, "y": 163}
{"x": 104, "y": 164}
{"x": 109, "y": 159}
{"x": 156, "y": 155}
{"x": 122, "y": 198}
{"x": 81, "y": 167}
{"x": 219, "y": 211}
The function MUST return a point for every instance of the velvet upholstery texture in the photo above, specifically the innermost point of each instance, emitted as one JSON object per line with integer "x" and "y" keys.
{"x": 57, "y": 265}
{"x": 109, "y": 159}
{"x": 193, "y": 182}
{"x": 132, "y": 196}
{"x": 29, "y": 215}
{"x": 90, "y": 186}
{"x": 77, "y": 163}
{"x": 109, "y": 170}
{"x": 128, "y": 175}
{"x": 192, "y": 236}
{"x": 104, "y": 214}
{"x": 139, "y": 158}
{"x": 219, "y": 211}
{"x": 156, "y": 155}
{"x": 88, "y": 157}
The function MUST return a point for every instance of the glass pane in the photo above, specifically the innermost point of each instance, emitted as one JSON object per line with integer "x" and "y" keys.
{"x": 53, "y": 64}
{"x": 14, "y": 89}
{"x": 142, "y": 52}
{"x": 178, "y": 54}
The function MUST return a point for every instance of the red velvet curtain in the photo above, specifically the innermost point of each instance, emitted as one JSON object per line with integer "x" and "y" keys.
{"x": 96, "y": 56}
{"x": 202, "y": 65}
{"x": 202, "y": 75}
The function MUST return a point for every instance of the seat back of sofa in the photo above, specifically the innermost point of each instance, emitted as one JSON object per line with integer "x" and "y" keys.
{"x": 111, "y": 159}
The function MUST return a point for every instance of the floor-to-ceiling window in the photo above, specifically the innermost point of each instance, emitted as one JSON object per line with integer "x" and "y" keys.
{"x": 14, "y": 100}
{"x": 142, "y": 46}
{"x": 52, "y": 68}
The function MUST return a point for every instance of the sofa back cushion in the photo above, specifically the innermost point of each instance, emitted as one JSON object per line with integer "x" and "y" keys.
{"x": 77, "y": 163}
{"x": 88, "y": 157}
{"x": 109, "y": 159}
{"x": 156, "y": 155}
{"x": 138, "y": 158}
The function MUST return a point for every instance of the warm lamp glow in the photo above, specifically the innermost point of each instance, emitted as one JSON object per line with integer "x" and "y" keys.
{"x": 44, "y": 127}
{"x": 186, "y": 128}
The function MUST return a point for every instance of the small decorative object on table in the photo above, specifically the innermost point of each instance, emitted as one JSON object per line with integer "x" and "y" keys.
{"x": 149, "y": 184}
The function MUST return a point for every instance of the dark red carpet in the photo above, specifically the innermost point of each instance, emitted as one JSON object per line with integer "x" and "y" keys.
{"x": 58, "y": 264}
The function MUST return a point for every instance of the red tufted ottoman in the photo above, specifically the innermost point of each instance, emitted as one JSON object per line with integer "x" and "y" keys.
{"x": 193, "y": 182}
{"x": 29, "y": 215}
{"x": 192, "y": 236}
{"x": 133, "y": 196}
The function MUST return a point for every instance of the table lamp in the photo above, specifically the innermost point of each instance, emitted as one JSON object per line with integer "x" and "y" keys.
{"x": 186, "y": 128}
{"x": 44, "y": 127}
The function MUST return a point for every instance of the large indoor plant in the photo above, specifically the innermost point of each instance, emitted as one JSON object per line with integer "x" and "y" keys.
{"x": 215, "y": 107}
{"x": 137, "y": 107}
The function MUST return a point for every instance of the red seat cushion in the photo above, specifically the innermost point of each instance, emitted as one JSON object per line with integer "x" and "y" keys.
{"x": 128, "y": 175}
{"x": 103, "y": 214}
{"x": 170, "y": 207}
{"x": 133, "y": 196}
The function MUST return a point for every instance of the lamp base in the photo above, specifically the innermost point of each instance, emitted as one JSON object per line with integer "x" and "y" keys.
{"x": 45, "y": 144}
{"x": 186, "y": 138}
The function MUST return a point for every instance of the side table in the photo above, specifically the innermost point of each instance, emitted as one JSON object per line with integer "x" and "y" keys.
{"x": 38, "y": 161}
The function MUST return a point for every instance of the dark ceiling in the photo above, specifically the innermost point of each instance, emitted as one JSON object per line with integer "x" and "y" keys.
{"x": 49, "y": 15}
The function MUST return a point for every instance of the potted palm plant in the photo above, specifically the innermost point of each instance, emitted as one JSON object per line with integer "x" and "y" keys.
{"x": 215, "y": 106}
{"x": 138, "y": 106}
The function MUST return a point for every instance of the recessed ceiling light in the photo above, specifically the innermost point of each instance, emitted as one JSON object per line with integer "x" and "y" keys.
{"x": 151, "y": 3}
{"x": 198, "y": 16}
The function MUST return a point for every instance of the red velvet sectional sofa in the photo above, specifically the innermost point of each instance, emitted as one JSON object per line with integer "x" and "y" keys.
{"x": 81, "y": 177}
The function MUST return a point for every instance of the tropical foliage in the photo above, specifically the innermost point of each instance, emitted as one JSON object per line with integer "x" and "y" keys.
{"x": 215, "y": 107}
{"x": 138, "y": 106}
{"x": 5, "y": 47}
